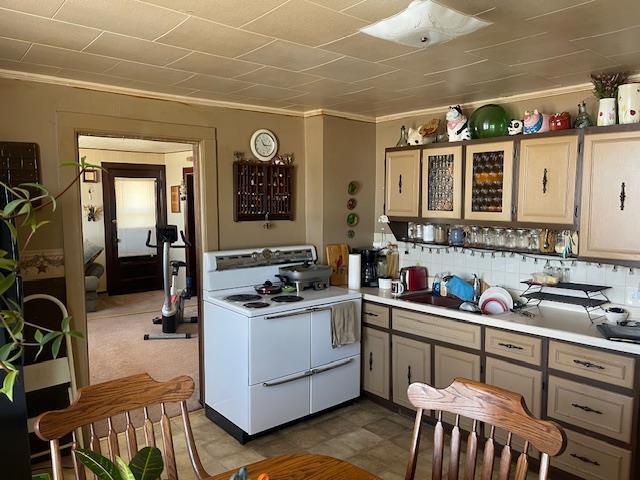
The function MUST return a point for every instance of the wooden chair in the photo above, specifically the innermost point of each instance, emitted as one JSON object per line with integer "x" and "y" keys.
{"x": 496, "y": 408}
{"x": 119, "y": 397}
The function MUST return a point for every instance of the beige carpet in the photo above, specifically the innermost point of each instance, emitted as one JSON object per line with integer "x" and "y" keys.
{"x": 117, "y": 349}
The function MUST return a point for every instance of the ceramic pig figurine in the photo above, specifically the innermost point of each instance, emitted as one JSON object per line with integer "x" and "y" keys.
{"x": 457, "y": 125}
{"x": 515, "y": 127}
{"x": 535, "y": 122}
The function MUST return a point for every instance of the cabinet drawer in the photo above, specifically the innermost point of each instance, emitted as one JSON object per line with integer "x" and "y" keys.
{"x": 597, "y": 365}
{"x": 437, "y": 328}
{"x": 589, "y": 407}
{"x": 593, "y": 459}
{"x": 375, "y": 314}
{"x": 512, "y": 345}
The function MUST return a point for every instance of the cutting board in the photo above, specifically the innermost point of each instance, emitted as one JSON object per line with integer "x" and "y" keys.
{"x": 338, "y": 260}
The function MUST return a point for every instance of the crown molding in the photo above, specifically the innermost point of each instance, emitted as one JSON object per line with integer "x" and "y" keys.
{"x": 336, "y": 113}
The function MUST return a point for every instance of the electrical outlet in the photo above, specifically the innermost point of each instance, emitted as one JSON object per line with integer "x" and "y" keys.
{"x": 633, "y": 296}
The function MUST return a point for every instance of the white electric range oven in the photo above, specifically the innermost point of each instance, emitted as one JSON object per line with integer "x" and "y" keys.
{"x": 268, "y": 359}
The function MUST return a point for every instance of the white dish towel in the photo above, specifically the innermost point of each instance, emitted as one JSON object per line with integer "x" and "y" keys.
{"x": 344, "y": 324}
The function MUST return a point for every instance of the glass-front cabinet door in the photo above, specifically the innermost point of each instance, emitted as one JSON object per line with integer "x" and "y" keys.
{"x": 489, "y": 181}
{"x": 442, "y": 182}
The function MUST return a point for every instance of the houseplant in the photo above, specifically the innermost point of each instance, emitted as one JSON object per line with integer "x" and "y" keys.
{"x": 605, "y": 88}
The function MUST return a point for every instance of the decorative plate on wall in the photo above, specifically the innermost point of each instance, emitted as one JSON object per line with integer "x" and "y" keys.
{"x": 352, "y": 219}
{"x": 353, "y": 187}
{"x": 351, "y": 203}
{"x": 351, "y": 234}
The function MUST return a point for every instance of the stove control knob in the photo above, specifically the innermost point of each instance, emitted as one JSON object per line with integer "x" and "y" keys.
{"x": 266, "y": 254}
{"x": 254, "y": 255}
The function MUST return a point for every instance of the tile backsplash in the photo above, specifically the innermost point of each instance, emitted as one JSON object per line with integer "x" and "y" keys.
{"x": 507, "y": 269}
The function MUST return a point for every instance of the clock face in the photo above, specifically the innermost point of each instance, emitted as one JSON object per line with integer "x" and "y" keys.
{"x": 264, "y": 145}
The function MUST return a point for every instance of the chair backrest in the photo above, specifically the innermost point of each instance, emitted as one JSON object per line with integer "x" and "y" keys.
{"x": 110, "y": 399}
{"x": 494, "y": 407}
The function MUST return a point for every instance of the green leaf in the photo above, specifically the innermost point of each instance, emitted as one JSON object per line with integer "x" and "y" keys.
{"x": 8, "y": 264}
{"x": 38, "y": 336}
{"x": 26, "y": 193}
{"x": 6, "y": 282}
{"x": 101, "y": 466}
{"x": 11, "y": 227}
{"x": 147, "y": 464}
{"x": 7, "y": 384}
{"x": 123, "y": 469}
{"x": 5, "y": 351}
{"x": 11, "y": 206}
{"x": 64, "y": 326}
{"x": 55, "y": 346}
{"x": 75, "y": 333}
{"x": 35, "y": 185}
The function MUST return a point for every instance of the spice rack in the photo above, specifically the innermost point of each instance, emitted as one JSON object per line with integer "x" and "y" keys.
{"x": 592, "y": 301}
{"x": 262, "y": 192}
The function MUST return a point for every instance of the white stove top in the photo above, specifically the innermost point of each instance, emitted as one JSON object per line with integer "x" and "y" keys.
{"x": 311, "y": 298}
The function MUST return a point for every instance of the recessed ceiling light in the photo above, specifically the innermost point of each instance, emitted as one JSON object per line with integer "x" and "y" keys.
{"x": 424, "y": 23}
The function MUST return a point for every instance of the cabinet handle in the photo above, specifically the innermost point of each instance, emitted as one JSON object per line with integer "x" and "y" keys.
{"x": 510, "y": 346}
{"x": 369, "y": 314}
{"x": 400, "y": 184}
{"x": 588, "y": 364}
{"x": 585, "y": 459}
{"x": 586, "y": 408}
{"x": 370, "y": 361}
{"x": 545, "y": 180}
{"x": 623, "y": 195}
{"x": 308, "y": 373}
{"x": 409, "y": 374}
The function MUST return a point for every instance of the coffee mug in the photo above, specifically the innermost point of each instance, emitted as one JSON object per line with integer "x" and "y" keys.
{"x": 384, "y": 283}
{"x": 397, "y": 287}
{"x": 615, "y": 315}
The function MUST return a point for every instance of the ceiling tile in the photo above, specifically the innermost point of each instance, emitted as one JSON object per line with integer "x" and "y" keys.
{"x": 316, "y": 100}
{"x": 28, "y": 67}
{"x": 214, "y": 84}
{"x": 44, "y": 8}
{"x": 612, "y": 43}
{"x": 331, "y": 88}
{"x": 289, "y": 56}
{"x": 230, "y": 12}
{"x": 433, "y": 59}
{"x": 630, "y": 61}
{"x": 213, "y": 65}
{"x": 337, "y": 5}
{"x": 394, "y": 81}
{"x": 60, "y": 57}
{"x": 372, "y": 95}
{"x": 526, "y": 49}
{"x": 513, "y": 84}
{"x": 292, "y": 20}
{"x": 366, "y": 47}
{"x": 205, "y": 36}
{"x": 499, "y": 10}
{"x": 573, "y": 62}
{"x": 12, "y": 49}
{"x": 221, "y": 97}
{"x": 135, "y": 49}
{"x": 494, "y": 34}
{"x": 374, "y": 10}
{"x": 128, "y": 17}
{"x": 590, "y": 18}
{"x": 268, "y": 92}
{"x": 476, "y": 72}
{"x": 355, "y": 106}
{"x": 41, "y": 30}
{"x": 349, "y": 69}
{"x": 148, "y": 73}
{"x": 277, "y": 77}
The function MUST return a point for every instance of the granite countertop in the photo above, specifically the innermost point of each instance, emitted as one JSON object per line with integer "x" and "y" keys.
{"x": 549, "y": 321}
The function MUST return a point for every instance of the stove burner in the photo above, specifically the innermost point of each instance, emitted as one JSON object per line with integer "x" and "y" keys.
{"x": 287, "y": 298}
{"x": 243, "y": 297}
{"x": 256, "y": 305}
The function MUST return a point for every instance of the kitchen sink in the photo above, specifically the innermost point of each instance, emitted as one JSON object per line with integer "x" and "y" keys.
{"x": 430, "y": 299}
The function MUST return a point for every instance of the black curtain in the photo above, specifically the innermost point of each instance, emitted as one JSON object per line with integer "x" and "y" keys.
{"x": 14, "y": 436}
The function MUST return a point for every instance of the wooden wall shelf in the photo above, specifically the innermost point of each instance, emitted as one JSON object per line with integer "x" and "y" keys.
{"x": 262, "y": 191}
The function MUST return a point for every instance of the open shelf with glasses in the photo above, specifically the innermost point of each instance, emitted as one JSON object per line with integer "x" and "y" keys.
{"x": 262, "y": 191}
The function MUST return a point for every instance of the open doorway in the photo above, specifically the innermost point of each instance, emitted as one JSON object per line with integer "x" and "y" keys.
{"x": 141, "y": 185}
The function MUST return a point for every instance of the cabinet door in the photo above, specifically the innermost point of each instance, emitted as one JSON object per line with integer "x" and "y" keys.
{"x": 375, "y": 362}
{"x": 488, "y": 181}
{"x": 450, "y": 364}
{"x": 547, "y": 180}
{"x": 402, "y": 184}
{"x": 411, "y": 363}
{"x": 442, "y": 182}
{"x": 611, "y": 196}
{"x": 525, "y": 381}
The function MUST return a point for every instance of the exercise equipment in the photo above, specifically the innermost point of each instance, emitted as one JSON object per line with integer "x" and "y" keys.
{"x": 172, "y": 313}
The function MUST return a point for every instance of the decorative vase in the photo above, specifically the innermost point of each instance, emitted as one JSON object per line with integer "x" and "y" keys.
{"x": 629, "y": 103}
{"x": 583, "y": 120}
{"x": 403, "y": 141}
{"x": 489, "y": 121}
{"x": 606, "y": 112}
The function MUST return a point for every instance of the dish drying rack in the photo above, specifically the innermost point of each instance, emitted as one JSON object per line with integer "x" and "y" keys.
{"x": 592, "y": 301}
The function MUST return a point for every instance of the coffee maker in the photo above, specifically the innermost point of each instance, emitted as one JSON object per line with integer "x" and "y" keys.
{"x": 369, "y": 267}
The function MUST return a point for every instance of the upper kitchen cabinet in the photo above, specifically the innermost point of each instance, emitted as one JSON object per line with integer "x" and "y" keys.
{"x": 547, "y": 180}
{"x": 611, "y": 196}
{"x": 402, "y": 183}
{"x": 442, "y": 182}
{"x": 489, "y": 181}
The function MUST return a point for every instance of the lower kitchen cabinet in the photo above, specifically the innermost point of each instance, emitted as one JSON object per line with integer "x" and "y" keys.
{"x": 411, "y": 362}
{"x": 375, "y": 362}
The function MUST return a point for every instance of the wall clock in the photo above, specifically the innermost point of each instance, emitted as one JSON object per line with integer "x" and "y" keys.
{"x": 264, "y": 144}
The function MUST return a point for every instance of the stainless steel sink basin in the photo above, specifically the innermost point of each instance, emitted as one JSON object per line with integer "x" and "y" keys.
{"x": 429, "y": 299}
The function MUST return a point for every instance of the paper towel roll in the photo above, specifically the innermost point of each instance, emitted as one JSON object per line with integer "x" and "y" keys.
{"x": 354, "y": 271}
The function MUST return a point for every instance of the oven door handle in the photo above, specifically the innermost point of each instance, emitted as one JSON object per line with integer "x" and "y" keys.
{"x": 331, "y": 367}
{"x": 308, "y": 373}
{"x": 297, "y": 312}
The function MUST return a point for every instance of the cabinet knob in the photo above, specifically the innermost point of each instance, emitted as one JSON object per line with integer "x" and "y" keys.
{"x": 370, "y": 361}
{"x": 545, "y": 180}
{"x": 409, "y": 374}
{"x": 623, "y": 195}
{"x": 585, "y": 459}
{"x": 400, "y": 183}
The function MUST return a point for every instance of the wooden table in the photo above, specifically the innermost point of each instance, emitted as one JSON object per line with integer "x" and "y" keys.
{"x": 303, "y": 467}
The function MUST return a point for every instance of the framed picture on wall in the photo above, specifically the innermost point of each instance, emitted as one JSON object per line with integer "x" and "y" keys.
{"x": 175, "y": 199}
{"x": 90, "y": 175}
